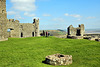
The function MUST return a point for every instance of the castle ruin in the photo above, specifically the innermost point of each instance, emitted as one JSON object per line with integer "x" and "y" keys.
{"x": 17, "y": 30}
{"x": 76, "y": 32}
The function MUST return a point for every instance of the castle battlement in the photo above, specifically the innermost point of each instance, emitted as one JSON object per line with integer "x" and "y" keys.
{"x": 12, "y": 20}
{"x": 17, "y": 21}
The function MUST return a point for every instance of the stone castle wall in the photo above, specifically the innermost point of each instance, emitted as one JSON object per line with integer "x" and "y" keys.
{"x": 17, "y": 29}
{"x": 27, "y": 29}
{"x": 13, "y": 25}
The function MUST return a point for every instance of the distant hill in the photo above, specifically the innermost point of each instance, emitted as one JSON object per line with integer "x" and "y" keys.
{"x": 92, "y": 31}
{"x": 61, "y": 30}
{"x": 55, "y": 32}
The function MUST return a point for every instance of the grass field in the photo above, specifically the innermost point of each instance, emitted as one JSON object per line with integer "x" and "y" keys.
{"x": 30, "y": 52}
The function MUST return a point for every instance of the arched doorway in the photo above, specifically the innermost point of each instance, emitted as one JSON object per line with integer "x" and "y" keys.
{"x": 21, "y": 34}
{"x": 32, "y": 34}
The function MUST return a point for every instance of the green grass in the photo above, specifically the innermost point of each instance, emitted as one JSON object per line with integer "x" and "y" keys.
{"x": 30, "y": 52}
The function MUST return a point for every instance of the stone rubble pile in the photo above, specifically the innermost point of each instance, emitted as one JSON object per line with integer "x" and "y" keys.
{"x": 59, "y": 59}
{"x": 98, "y": 39}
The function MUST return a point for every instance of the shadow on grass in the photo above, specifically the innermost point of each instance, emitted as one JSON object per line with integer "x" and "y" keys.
{"x": 45, "y": 62}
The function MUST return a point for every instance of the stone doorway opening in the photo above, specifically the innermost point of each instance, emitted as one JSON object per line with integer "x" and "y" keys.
{"x": 32, "y": 34}
{"x": 78, "y": 32}
{"x": 21, "y": 34}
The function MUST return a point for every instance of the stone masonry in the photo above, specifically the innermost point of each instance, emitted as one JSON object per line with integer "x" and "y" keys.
{"x": 17, "y": 29}
{"x": 76, "y": 33}
{"x": 59, "y": 59}
{"x": 79, "y": 31}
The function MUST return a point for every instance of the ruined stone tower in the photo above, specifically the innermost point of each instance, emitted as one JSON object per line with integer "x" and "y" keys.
{"x": 79, "y": 31}
{"x": 3, "y": 20}
{"x": 3, "y": 13}
{"x": 36, "y": 23}
{"x": 82, "y": 30}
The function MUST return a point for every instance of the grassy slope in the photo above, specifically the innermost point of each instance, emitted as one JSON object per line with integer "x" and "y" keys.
{"x": 30, "y": 52}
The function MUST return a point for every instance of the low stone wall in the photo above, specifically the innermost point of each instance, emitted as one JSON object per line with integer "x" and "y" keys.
{"x": 59, "y": 59}
{"x": 92, "y": 35}
{"x": 97, "y": 39}
{"x": 87, "y": 37}
{"x": 61, "y": 36}
{"x": 4, "y": 39}
{"x": 75, "y": 37}
{"x": 92, "y": 38}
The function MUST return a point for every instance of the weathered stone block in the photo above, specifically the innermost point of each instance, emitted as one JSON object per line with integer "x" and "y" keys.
{"x": 75, "y": 37}
{"x": 59, "y": 59}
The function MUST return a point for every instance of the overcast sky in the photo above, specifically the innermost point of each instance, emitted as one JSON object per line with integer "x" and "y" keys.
{"x": 56, "y": 14}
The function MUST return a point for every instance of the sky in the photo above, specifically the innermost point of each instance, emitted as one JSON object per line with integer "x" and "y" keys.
{"x": 56, "y": 14}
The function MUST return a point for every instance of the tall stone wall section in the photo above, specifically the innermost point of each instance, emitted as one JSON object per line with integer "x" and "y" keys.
{"x": 3, "y": 20}
{"x": 36, "y": 23}
{"x": 13, "y": 25}
{"x": 82, "y": 29}
{"x": 27, "y": 30}
{"x": 71, "y": 31}
{"x": 3, "y": 13}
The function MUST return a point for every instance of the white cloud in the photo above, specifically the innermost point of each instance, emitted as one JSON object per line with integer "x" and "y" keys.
{"x": 24, "y": 5}
{"x": 46, "y": 15}
{"x": 78, "y": 19}
{"x": 36, "y": 18}
{"x": 59, "y": 19}
{"x": 28, "y": 14}
{"x": 73, "y": 15}
{"x": 66, "y": 14}
{"x": 90, "y": 17}
{"x": 11, "y": 12}
{"x": 18, "y": 17}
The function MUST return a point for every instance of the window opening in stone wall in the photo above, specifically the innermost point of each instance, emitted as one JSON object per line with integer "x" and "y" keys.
{"x": 2, "y": 11}
{"x": 10, "y": 32}
{"x": 78, "y": 32}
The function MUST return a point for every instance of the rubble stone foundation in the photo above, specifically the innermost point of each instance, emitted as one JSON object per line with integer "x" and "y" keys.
{"x": 59, "y": 59}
